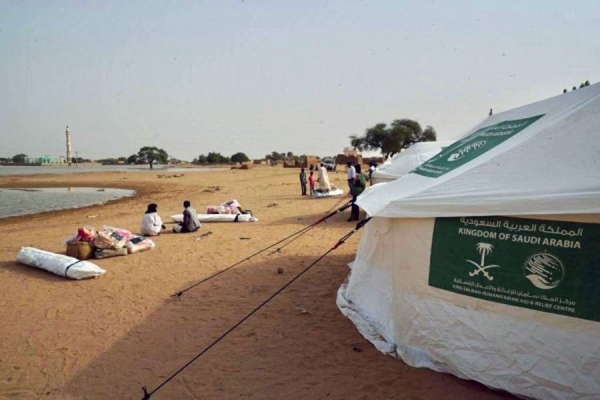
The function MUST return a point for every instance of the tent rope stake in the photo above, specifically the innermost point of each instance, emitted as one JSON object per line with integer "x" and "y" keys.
{"x": 147, "y": 395}
{"x": 297, "y": 234}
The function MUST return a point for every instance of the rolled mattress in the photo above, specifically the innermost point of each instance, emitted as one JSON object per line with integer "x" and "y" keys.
{"x": 332, "y": 192}
{"x": 218, "y": 218}
{"x": 58, "y": 264}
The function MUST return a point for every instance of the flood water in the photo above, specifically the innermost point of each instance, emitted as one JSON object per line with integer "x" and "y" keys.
{"x": 34, "y": 170}
{"x": 14, "y": 202}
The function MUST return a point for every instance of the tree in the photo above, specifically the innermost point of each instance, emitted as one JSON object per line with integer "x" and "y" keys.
{"x": 132, "y": 159}
{"x": 152, "y": 154}
{"x": 19, "y": 158}
{"x": 275, "y": 156}
{"x": 216, "y": 158}
{"x": 239, "y": 158}
{"x": 399, "y": 135}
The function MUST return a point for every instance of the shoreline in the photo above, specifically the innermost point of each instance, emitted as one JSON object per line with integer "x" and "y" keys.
{"x": 76, "y": 204}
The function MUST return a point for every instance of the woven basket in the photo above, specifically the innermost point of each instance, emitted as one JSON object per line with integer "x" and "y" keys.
{"x": 80, "y": 250}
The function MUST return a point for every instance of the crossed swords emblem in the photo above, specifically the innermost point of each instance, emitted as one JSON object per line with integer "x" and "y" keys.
{"x": 479, "y": 268}
{"x": 483, "y": 249}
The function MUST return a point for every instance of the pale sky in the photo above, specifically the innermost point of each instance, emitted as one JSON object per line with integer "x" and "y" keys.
{"x": 278, "y": 75}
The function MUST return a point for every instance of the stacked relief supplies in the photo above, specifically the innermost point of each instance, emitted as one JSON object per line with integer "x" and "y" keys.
{"x": 112, "y": 242}
{"x": 86, "y": 243}
{"x": 107, "y": 242}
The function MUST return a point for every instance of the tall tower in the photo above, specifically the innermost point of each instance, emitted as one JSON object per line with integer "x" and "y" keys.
{"x": 68, "y": 133}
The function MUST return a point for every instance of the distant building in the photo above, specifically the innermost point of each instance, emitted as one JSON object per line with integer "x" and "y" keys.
{"x": 351, "y": 152}
{"x": 46, "y": 160}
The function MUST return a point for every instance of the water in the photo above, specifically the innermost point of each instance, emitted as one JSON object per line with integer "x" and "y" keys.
{"x": 15, "y": 202}
{"x": 31, "y": 170}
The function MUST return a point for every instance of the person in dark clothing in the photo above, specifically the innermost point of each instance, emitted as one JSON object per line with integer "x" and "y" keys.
{"x": 360, "y": 182}
{"x": 190, "y": 220}
{"x": 303, "y": 181}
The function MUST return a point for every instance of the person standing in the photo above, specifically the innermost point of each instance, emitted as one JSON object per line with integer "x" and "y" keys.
{"x": 360, "y": 182}
{"x": 372, "y": 167}
{"x": 303, "y": 181}
{"x": 311, "y": 182}
{"x": 190, "y": 221}
{"x": 351, "y": 171}
{"x": 324, "y": 184}
{"x": 151, "y": 223}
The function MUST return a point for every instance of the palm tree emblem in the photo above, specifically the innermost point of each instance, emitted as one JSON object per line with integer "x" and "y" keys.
{"x": 484, "y": 249}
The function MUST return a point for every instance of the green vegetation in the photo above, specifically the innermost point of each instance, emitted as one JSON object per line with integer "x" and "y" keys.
{"x": 582, "y": 85}
{"x": 399, "y": 135}
{"x": 212, "y": 158}
{"x": 239, "y": 158}
{"x": 19, "y": 158}
{"x": 150, "y": 155}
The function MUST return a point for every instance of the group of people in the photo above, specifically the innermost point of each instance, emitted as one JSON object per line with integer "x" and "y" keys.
{"x": 152, "y": 224}
{"x": 357, "y": 183}
{"x": 322, "y": 180}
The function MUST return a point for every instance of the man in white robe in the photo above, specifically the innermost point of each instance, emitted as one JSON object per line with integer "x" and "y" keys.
{"x": 324, "y": 184}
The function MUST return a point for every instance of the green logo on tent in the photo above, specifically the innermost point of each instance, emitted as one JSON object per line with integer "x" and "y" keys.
{"x": 549, "y": 266}
{"x": 472, "y": 146}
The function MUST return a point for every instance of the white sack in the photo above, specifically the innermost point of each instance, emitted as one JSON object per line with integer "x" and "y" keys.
{"x": 218, "y": 218}
{"x": 59, "y": 264}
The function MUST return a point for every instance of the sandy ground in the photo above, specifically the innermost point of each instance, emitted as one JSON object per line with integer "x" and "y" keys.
{"x": 105, "y": 338}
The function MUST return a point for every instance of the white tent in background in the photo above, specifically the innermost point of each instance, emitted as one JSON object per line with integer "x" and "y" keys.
{"x": 404, "y": 162}
{"x": 447, "y": 277}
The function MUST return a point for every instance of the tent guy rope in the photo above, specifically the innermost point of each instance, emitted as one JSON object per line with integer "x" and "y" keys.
{"x": 147, "y": 395}
{"x": 297, "y": 234}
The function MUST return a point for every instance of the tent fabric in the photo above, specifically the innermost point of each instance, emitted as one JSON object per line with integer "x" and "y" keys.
{"x": 404, "y": 162}
{"x": 524, "y": 351}
{"x": 549, "y": 167}
{"x": 538, "y": 161}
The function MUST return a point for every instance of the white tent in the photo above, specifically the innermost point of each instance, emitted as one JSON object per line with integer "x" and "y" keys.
{"x": 447, "y": 277}
{"x": 404, "y": 162}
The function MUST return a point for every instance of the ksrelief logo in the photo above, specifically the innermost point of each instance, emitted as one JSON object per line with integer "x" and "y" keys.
{"x": 544, "y": 270}
{"x": 463, "y": 151}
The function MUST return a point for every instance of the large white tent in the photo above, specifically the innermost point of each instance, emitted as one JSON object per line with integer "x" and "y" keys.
{"x": 484, "y": 262}
{"x": 404, "y": 162}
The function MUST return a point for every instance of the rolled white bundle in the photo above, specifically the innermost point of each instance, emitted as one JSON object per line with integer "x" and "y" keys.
{"x": 218, "y": 218}
{"x": 59, "y": 264}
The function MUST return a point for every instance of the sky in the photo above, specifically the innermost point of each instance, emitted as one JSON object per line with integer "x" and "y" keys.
{"x": 275, "y": 75}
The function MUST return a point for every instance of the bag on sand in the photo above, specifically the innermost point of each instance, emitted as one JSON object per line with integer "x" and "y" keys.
{"x": 138, "y": 244}
{"x": 80, "y": 250}
{"x": 107, "y": 253}
{"x": 58, "y": 264}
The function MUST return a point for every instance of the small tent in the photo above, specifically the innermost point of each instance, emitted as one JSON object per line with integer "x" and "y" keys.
{"x": 404, "y": 162}
{"x": 484, "y": 262}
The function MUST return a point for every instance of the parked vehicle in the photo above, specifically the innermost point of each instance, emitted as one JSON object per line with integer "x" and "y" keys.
{"x": 328, "y": 163}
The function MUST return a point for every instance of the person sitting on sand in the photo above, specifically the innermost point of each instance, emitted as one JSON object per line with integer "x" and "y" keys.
{"x": 190, "y": 220}
{"x": 324, "y": 185}
{"x": 151, "y": 223}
